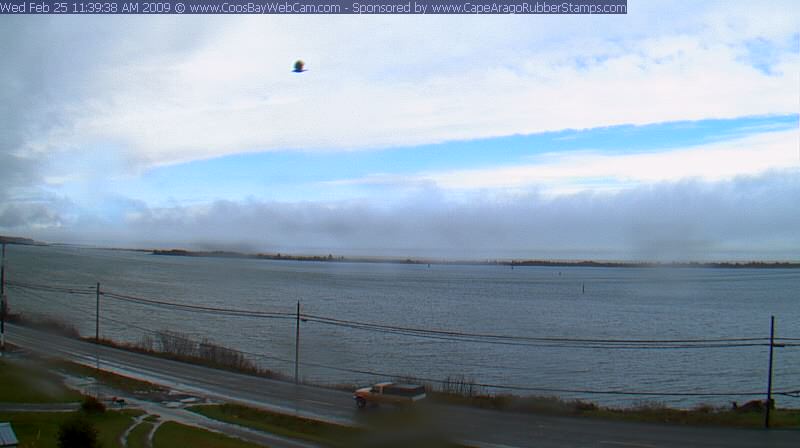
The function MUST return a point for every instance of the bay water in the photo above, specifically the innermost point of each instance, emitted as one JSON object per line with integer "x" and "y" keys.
{"x": 594, "y": 303}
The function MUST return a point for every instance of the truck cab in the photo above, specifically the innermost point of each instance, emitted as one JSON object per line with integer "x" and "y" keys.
{"x": 389, "y": 393}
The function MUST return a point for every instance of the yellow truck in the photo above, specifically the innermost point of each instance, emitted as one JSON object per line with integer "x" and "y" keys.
{"x": 389, "y": 393}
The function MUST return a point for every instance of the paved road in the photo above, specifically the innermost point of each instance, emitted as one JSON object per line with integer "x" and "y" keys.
{"x": 477, "y": 427}
{"x": 39, "y": 407}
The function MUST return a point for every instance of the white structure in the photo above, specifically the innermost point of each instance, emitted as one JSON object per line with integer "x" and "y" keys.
{"x": 7, "y": 437}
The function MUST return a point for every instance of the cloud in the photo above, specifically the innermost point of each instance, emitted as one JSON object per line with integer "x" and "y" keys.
{"x": 195, "y": 112}
{"x": 87, "y": 102}
{"x": 573, "y": 172}
{"x": 160, "y": 97}
{"x": 744, "y": 218}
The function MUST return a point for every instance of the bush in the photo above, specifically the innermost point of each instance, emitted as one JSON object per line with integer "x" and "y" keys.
{"x": 584, "y": 406}
{"x": 78, "y": 433}
{"x": 48, "y": 324}
{"x": 705, "y": 408}
{"x": 92, "y": 405}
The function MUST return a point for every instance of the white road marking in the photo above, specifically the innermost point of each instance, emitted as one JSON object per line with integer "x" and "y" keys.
{"x": 484, "y": 444}
{"x": 631, "y": 444}
{"x": 317, "y": 402}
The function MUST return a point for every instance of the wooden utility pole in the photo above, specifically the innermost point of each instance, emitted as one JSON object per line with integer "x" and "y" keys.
{"x": 769, "y": 375}
{"x": 297, "y": 346}
{"x": 3, "y": 299}
{"x": 97, "y": 314}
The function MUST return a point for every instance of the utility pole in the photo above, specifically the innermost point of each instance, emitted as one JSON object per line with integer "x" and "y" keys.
{"x": 3, "y": 299}
{"x": 769, "y": 375}
{"x": 97, "y": 314}
{"x": 297, "y": 346}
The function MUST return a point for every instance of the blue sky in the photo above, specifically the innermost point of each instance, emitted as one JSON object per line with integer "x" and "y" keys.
{"x": 308, "y": 175}
{"x": 668, "y": 133}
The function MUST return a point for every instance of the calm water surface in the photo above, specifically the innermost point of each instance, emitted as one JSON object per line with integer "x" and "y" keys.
{"x": 591, "y": 303}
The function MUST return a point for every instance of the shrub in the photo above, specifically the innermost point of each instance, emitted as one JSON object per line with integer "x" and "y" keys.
{"x": 176, "y": 343}
{"x": 77, "y": 433}
{"x": 92, "y": 405}
{"x": 705, "y": 408}
{"x": 460, "y": 385}
{"x": 48, "y": 324}
{"x": 584, "y": 406}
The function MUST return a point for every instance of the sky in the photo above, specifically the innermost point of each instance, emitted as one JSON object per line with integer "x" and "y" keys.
{"x": 671, "y": 133}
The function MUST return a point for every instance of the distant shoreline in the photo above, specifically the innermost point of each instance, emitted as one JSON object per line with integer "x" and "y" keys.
{"x": 330, "y": 258}
{"x": 20, "y": 241}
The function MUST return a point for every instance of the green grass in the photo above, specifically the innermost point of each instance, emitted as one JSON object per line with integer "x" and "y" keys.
{"x": 138, "y": 437}
{"x": 37, "y": 385}
{"x": 171, "y": 435}
{"x": 40, "y": 429}
{"x": 396, "y": 429}
{"x": 29, "y": 384}
{"x": 280, "y": 424}
{"x": 702, "y": 416}
{"x": 119, "y": 382}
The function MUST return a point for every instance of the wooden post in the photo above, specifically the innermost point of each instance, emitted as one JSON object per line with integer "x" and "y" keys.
{"x": 3, "y": 300}
{"x": 769, "y": 375}
{"x": 97, "y": 314}
{"x": 297, "y": 346}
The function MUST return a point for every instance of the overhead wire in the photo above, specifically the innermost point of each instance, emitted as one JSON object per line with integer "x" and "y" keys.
{"x": 445, "y": 335}
{"x": 160, "y": 332}
{"x": 437, "y": 334}
{"x": 50, "y": 288}
{"x": 29, "y": 289}
{"x": 199, "y": 308}
{"x": 542, "y": 342}
{"x": 330, "y": 320}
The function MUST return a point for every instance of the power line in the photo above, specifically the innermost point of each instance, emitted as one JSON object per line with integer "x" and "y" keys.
{"x": 438, "y": 334}
{"x": 544, "y": 344}
{"x": 127, "y": 324}
{"x": 330, "y": 320}
{"x": 31, "y": 294}
{"x": 547, "y": 389}
{"x": 153, "y": 302}
{"x": 446, "y": 335}
{"x": 540, "y": 341}
{"x": 48, "y": 288}
{"x": 485, "y": 385}
{"x": 198, "y": 308}
{"x": 159, "y": 332}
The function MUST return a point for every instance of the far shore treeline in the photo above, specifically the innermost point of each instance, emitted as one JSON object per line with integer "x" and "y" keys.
{"x": 18, "y": 240}
{"x": 439, "y": 261}
{"x": 512, "y": 263}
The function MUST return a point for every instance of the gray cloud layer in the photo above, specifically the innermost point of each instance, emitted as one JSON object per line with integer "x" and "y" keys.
{"x": 66, "y": 81}
{"x": 748, "y": 218}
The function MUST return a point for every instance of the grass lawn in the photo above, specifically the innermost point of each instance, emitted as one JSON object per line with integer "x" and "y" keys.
{"x": 40, "y": 429}
{"x": 779, "y": 418}
{"x": 647, "y": 412}
{"x": 116, "y": 381}
{"x": 22, "y": 383}
{"x": 280, "y": 424}
{"x": 397, "y": 429}
{"x": 138, "y": 437}
{"x": 171, "y": 434}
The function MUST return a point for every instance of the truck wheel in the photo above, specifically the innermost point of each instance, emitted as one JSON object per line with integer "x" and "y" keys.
{"x": 361, "y": 403}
